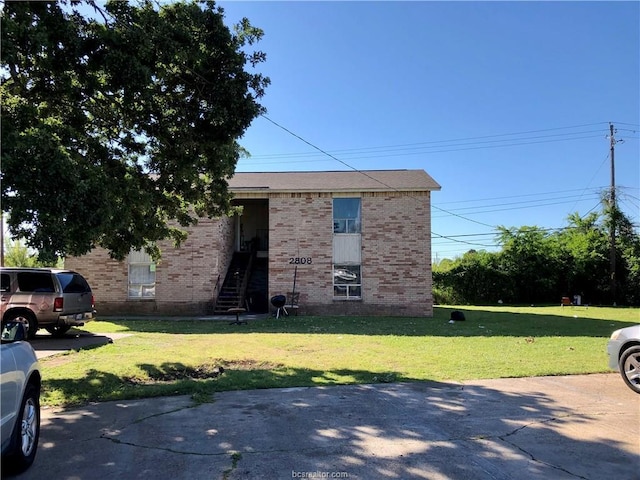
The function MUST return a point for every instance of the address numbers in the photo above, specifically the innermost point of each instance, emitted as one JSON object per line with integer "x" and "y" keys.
{"x": 300, "y": 260}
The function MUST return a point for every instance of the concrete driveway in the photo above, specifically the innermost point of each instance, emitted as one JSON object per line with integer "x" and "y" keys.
{"x": 570, "y": 427}
{"x": 47, "y": 345}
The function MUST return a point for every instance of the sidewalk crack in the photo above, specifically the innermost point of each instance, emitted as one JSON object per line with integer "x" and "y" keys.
{"x": 505, "y": 439}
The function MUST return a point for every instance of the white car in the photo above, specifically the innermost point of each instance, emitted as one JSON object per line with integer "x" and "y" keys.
{"x": 624, "y": 355}
{"x": 20, "y": 383}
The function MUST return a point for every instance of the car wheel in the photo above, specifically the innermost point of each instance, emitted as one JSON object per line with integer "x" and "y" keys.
{"x": 26, "y": 431}
{"x": 630, "y": 367}
{"x": 29, "y": 320}
{"x": 58, "y": 331}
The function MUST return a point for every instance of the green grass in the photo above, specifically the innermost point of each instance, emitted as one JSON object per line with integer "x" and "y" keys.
{"x": 169, "y": 357}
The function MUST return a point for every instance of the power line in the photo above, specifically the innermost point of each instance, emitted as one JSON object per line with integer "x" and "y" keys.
{"x": 461, "y": 241}
{"x": 444, "y": 149}
{"x": 324, "y": 152}
{"x": 453, "y": 142}
{"x": 309, "y": 143}
{"x": 464, "y": 218}
{"x": 623, "y": 123}
{"x": 548, "y": 204}
{"x": 565, "y": 199}
{"x": 472, "y": 235}
{"x": 516, "y": 196}
{"x": 360, "y": 171}
{"x": 594, "y": 176}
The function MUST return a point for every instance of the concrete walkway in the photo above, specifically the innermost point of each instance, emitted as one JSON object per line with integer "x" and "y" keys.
{"x": 570, "y": 427}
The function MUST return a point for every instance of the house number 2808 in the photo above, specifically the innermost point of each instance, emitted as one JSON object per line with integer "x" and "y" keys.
{"x": 300, "y": 260}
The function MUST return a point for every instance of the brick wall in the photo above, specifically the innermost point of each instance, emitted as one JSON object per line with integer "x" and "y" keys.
{"x": 396, "y": 260}
{"x": 107, "y": 277}
{"x": 185, "y": 276}
{"x": 301, "y": 226}
{"x": 396, "y": 253}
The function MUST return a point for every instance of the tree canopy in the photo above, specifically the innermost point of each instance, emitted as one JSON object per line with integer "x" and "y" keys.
{"x": 120, "y": 124}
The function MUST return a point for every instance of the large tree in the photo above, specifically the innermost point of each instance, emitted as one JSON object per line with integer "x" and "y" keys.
{"x": 529, "y": 259}
{"x": 120, "y": 123}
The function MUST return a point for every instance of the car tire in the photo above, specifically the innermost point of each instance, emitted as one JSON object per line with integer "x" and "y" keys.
{"x": 58, "y": 331}
{"x": 630, "y": 367}
{"x": 26, "y": 432}
{"x": 28, "y": 319}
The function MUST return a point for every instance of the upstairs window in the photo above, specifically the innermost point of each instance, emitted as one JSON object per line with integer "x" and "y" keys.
{"x": 346, "y": 215}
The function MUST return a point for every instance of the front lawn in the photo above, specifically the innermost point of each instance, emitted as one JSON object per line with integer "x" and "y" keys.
{"x": 169, "y": 357}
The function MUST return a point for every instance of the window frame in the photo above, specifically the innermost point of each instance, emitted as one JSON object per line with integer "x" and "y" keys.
{"x": 352, "y": 225}
{"x": 138, "y": 259}
{"x": 353, "y": 291}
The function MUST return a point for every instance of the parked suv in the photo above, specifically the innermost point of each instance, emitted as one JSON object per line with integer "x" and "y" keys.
{"x": 20, "y": 383}
{"x": 53, "y": 299}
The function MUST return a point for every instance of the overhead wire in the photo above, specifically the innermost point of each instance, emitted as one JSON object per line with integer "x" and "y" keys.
{"x": 356, "y": 170}
{"x": 324, "y": 152}
{"x": 449, "y": 212}
{"x": 440, "y": 143}
{"x": 522, "y": 205}
{"x": 514, "y": 196}
{"x": 545, "y": 199}
{"x": 442, "y": 149}
{"x": 607, "y": 156}
{"x": 395, "y": 148}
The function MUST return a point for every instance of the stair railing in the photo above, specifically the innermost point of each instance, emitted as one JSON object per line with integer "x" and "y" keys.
{"x": 242, "y": 292}
{"x": 216, "y": 289}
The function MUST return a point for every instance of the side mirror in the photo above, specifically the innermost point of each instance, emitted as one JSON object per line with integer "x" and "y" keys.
{"x": 13, "y": 332}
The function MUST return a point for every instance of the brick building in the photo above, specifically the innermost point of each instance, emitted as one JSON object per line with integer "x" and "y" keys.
{"x": 347, "y": 242}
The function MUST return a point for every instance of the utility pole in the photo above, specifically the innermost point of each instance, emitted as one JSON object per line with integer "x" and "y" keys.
{"x": 612, "y": 218}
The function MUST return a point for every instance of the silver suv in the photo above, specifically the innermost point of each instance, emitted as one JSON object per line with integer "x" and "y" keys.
{"x": 20, "y": 384}
{"x": 53, "y": 299}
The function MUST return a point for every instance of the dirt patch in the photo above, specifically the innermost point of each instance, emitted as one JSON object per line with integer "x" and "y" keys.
{"x": 57, "y": 360}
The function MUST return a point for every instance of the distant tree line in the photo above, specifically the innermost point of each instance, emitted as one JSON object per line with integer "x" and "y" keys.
{"x": 540, "y": 266}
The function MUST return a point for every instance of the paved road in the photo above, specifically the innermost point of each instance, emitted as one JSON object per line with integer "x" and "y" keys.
{"x": 570, "y": 427}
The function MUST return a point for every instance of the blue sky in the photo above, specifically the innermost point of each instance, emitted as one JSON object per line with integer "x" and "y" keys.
{"x": 506, "y": 104}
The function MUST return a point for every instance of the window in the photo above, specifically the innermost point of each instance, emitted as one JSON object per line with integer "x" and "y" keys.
{"x": 35, "y": 282}
{"x": 347, "y": 282}
{"x": 142, "y": 275}
{"x": 6, "y": 283}
{"x": 346, "y": 215}
{"x": 73, "y": 283}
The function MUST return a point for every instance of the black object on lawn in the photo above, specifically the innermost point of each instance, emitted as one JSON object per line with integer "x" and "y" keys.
{"x": 278, "y": 302}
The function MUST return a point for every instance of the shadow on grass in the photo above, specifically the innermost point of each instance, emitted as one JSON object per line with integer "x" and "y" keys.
{"x": 410, "y": 430}
{"x": 175, "y": 378}
{"x": 481, "y": 323}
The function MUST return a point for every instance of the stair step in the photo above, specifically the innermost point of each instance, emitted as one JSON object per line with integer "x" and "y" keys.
{"x": 229, "y": 294}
